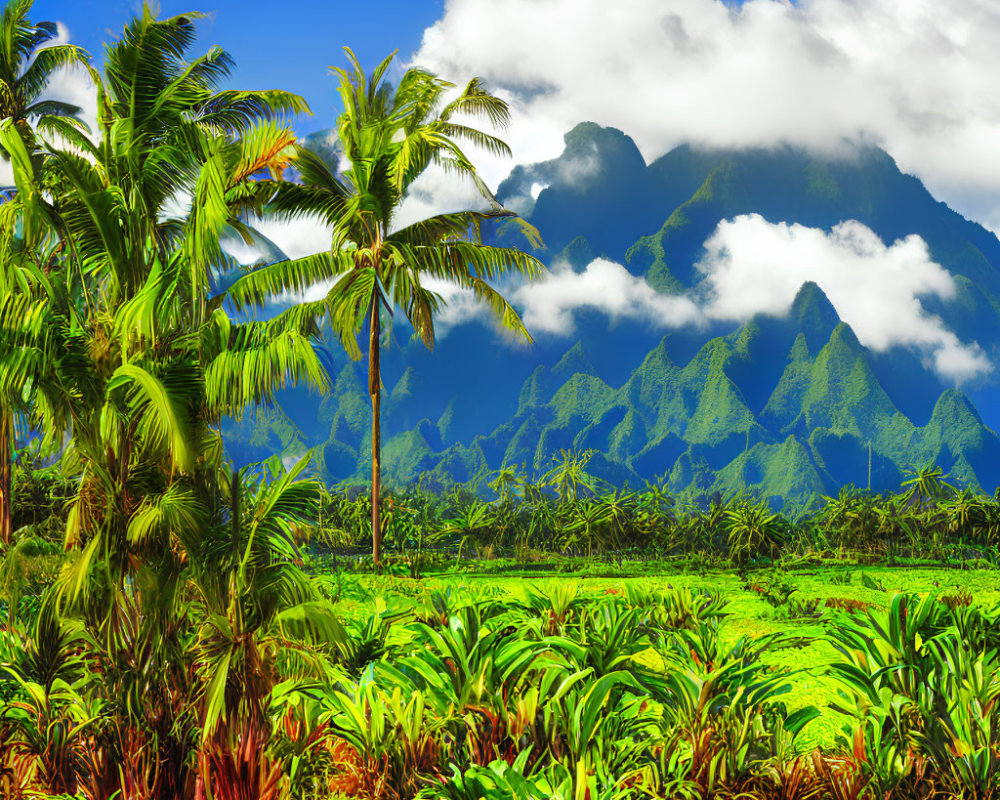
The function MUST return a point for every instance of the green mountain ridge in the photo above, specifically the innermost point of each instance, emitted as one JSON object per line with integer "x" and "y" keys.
{"x": 691, "y": 424}
{"x": 783, "y": 407}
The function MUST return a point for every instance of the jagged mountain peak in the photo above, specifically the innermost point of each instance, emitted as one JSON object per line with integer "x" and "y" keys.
{"x": 575, "y": 360}
{"x": 953, "y": 408}
{"x": 813, "y": 315}
{"x": 784, "y": 405}
{"x": 614, "y": 149}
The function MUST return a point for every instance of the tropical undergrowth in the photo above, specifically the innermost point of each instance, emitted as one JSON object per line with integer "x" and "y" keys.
{"x": 570, "y": 513}
{"x": 544, "y": 691}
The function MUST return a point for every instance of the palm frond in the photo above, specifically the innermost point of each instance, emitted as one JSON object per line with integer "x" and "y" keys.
{"x": 264, "y": 284}
{"x": 44, "y": 63}
{"x": 255, "y": 364}
{"x": 157, "y": 411}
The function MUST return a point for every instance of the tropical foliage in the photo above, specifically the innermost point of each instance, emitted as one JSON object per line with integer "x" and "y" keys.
{"x": 568, "y": 512}
{"x": 164, "y": 634}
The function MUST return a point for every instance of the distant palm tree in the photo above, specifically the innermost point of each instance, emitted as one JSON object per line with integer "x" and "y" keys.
{"x": 926, "y": 485}
{"x": 568, "y": 475}
{"x": 390, "y": 137}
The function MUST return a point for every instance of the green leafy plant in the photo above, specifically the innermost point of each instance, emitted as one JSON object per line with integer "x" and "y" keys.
{"x": 754, "y": 532}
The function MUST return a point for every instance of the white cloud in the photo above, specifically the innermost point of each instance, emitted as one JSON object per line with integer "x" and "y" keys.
{"x": 574, "y": 172}
{"x": 750, "y": 267}
{"x": 437, "y": 191}
{"x": 915, "y": 76}
{"x": 299, "y": 237}
{"x": 295, "y": 238}
{"x": 72, "y": 84}
{"x": 548, "y": 304}
{"x": 753, "y": 266}
{"x": 240, "y": 251}
{"x": 461, "y": 305}
{"x": 524, "y": 204}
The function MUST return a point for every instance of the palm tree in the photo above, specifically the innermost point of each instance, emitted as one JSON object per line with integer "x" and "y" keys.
{"x": 27, "y": 63}
{"x": 926, "y": 485}
{"x": 568, "y": 475}
{"x": 26, "y": 67}
{"x": 754, "y": 531}
{"x": 152, "y": 361}
{"x": 390, "y": 137}
{"x": 250, "y": 591}
{"x": 142, "y": 358}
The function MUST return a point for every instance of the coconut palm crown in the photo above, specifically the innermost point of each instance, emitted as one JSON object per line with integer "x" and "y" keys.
{"x": 389, "y": 136}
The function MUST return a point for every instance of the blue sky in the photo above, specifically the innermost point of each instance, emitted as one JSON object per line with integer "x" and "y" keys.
{"x": 915, "y": 77}
{"x": 289, "y": 48}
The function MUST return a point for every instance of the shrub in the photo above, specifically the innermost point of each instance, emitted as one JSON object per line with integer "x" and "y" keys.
{"x": 961, "y": 598}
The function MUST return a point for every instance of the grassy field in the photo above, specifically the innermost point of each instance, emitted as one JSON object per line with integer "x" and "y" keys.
{"x": 805, "y": 651}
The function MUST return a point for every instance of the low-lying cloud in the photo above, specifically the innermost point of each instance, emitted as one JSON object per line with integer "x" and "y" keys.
{"x": 752, "y": 266}
{"x": 548, "y": 305}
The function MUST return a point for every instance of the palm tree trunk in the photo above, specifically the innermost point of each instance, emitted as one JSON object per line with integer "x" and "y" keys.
{"x": 235, "y": 507}
{"x": 6, "y": 518}
{"x": 375, "y": 390}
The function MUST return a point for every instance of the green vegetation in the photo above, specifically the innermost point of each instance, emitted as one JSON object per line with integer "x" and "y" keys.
{"x": 174, "y": 626}
{"x": 25, "y": 69}
{"x": 390, "y": 137}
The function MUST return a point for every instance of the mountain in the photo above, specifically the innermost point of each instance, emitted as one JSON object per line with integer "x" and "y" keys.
{"x": 783, "y": 406}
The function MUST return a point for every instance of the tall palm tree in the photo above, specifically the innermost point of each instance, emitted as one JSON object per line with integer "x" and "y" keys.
{"x": 27, "y": 63}
{"x": 147, "y": 359}
{"x": 389, "y": 137}
{"x": 153, "y": 361}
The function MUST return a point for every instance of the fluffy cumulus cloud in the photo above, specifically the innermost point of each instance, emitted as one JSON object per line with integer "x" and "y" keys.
{"x": 754, "y": 266}
{"x": 548, "y": 305}
{"x": 438, "y": 191}
{"x": 72, "y": 84}
{"x": 915, "y": 76}
{"x": 460, "y": 305}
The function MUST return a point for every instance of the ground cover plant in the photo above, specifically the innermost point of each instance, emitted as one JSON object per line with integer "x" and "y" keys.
{"x": 175, "y": 626}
